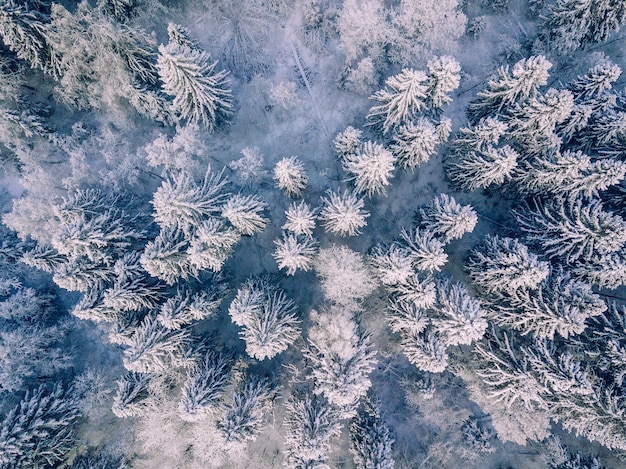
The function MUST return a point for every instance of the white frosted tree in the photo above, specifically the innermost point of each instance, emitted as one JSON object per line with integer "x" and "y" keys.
{"x": 510, "y": 87}
{"x": 181, "y": 201}
{"x": 573, "y": 229}
{"x": 185, "y": 307}
{"x": 416, "y": 141}
{"x": 371, "y": 443}
{"x": 133, "y": 397}
{"x": 392, "y": 264}
{"x": 345, "y": 278}
{"x": 131, "y": 294}
{"x": 294, "y": 252}
{"x": 424, "y": 249}
{"x": 38, "y": 431}
{"x": 245, "y": 213}
{"x": 212, "y": 244}
{"x": 362, "y": 28}
{"x": 416, "y": 290}
{"x": 290, "y": 176}
{"x": 506, "y": 265}
{"x": 598, "y": 80}
{"x": 243, "y": 417}
{"x": 444, "y": 76}
{"x": 608, "y": 271}
{"x": 481, "y": 169}
{"x": 341, "y": 358}
{"x": 480, "y": 137}
{"x": 348, "y": 142}
{"x": 427, "y": 351}
{"x": 405, "y": 96}
{"x": 165, "y": 257}
{"x": 268, "y": 319}
{"x": 300, "y": 219}
{"x": 155, "y": 349}
{"x": 448, "y": 219}
{"x": 343, "y": 213}
{"x": 201, "y": 94}
{"x": 204, "y": 388}
{"x": 311, "y": 425}
{"x": 370, "y": 168}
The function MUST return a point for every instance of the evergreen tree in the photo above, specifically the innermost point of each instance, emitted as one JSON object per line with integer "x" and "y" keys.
{"x": 184, "y": 308}
{"x": 94, "y": 459}
{"x": 424, "y": 249}
{"x": 370, "y": 439}
{"x": 212, "y": 244}
{"x": 480, "y": 169}
{"x": 23, "y": 28}
{"x": 348, "y": 142}
{"x": 155, "y": 349}
{"x": 596, "y": 82}
{"x": 341, "y": 358}
{"x": 509, "y": 88}
{"x": 444, "y": 76}
{"x": 608, "y": 271}
{"x": 343, "y": 214}
{"x": 300, "y": 219}
{"x": 572, "y": 229}
{"x": 480, "y": 137}
{"x": 370, "y": 168}
{"x": 165, "y": 257}
{"x": 133, "y": 397}
{"x": 290, "y": 176}
{"x": 200, "y": 94}
{"x": 416, "y": 142}
{"x": 448, "y": 219}
{"x": 131, "y": 294}
{"x": 39, "y": 430}
{"x": 245, "y": 213}
{"x": 293, "y": 252}
{"x": 311, "y": 424}
{"x": 243, "y": 417}
{"x": 405, "y": 96}
{"x": 182, "y": 202}
{"x": 505, "y": 265}
{"x": 393, "y": 264}
{"x": 427, "y": 351}
{"x": 416, "y": 290}
{"x": 204, "y": 387}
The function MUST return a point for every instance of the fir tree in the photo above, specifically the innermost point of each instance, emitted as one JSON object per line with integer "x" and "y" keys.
{"x": 444, "y": 76}
{"x": 393, "y": 264}
{"x": 300, "y": 219}
{"x": 133, "y": 397}
{"x": 212, "y": 244}
{"x": 480, "y": 137}
{"x": 348, "y": 142}
{"x": 596, "y": 82}
{"x": 510, "y": 87}
{"x": 370, "y": 439}
{"x": 23, "y": 29}
{"x": 293, "y": 252}
{"x": 480, "y": 169}
{"x": 290, "y": 176}
{"x": 370, "y": 168}
{"x": 39, "y": 430}
{"x": 424, "y": 249}
{"x": 245, "y": 213}
{"x": 446, "y": 218}
{"x": 184, "y": 308}
{"x": 200, "y": 94}
{"x": 311, "y": 424}
{"x": 573, "y": 229}
{"x": 505, "y": 265}
{"x": 417, "y": 290}
{"x": 165, "y": 257}
{"x": 416, "y": 142}
{"x": 406, "y": 95}
{"x": 427, "y": 351}
{"x": 204, "y": 387}
{"x": 131, "y": 294}
{"x": 343, "y": 214}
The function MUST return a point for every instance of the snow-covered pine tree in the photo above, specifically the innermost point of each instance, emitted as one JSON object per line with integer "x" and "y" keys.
{"x": 182, "y": 202}
{"x": 416, "y": 141}
{"x": 416, "y": 290}
{"x": 212, "y": 244}
{"x": 406, "y": 94}
{"x": 505, "y": 265}
{"x": 243, "y": 417}
{"x": 392, "y": 264}
{"x": 370, "y": 439}
{"x": 480, "y": 169}
{"x": 348, "y": 142}
{"x": 448, "y": 219}
{"x": 569, "y": 174}
{"x": 295, "y": 252}
{"x": 407, "y": 318}
{"x": 131, "y": 294}
{"x": 343, "y": 213}
{"x": 311, "y": 424}
{"x": 204, "y": 387}
{"x": 561, "y": 304}
{"x": 480, "y": 137}
{"x": 444, "y": 76}
{"x": 426, "y": 350}
{"x": 185, "y": 307}
{"x": 607, "y": 132}
{"x": 425, "y": 251}
{"x": 38, "y": 431}
{"x": 509, "y": 88}
{"x": 23, "y": 27}
{"x": 245, "y": 213}
{"x": 341, "y": 358}
{"x": 608, "y": 271}
{"x": 595, "y": 83}
{"x": 200, "y": 94}
{"x": 573, "y": 24}
{"x": 573, "y": 229}
{"x": 290, "y": 176}
{"x": 165, "y": 257}
{"x": 155, "y": 349}
{"x": 133, "y": 397}
{"x": 300, "y": 219}
{"x": 345, "y": 278}
{"x": 121, "y": 10}
{"x": 82, "y": 275}
{"x": 370, "y": 168}
{"x": 250, "y": 296}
